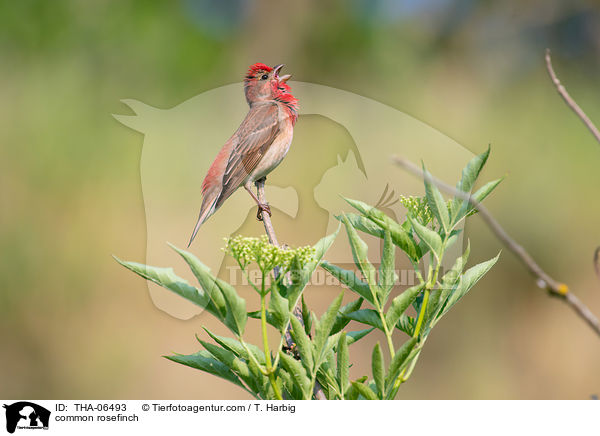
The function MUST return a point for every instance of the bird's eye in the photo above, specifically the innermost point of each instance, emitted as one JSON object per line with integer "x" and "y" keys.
{"x": 264, "y": 77}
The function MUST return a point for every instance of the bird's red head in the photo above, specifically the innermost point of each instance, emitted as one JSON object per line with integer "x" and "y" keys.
{"x": 256, "y": 70}
{"x": 259, "y": 83}
{"x": 263, "y": 83}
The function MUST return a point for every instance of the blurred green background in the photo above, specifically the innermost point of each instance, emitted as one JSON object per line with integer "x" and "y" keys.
{"x": 74, "y": 324}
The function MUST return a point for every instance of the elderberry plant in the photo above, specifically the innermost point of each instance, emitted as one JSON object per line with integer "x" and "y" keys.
{"x": 318, "y": 358}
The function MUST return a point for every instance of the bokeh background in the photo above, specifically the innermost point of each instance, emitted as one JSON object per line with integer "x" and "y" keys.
{"x": 74, "y": 324}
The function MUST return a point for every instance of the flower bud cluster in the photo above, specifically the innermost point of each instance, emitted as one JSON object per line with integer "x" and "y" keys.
{"x": 418, "y": 208}
{"x": 247, "y": 250}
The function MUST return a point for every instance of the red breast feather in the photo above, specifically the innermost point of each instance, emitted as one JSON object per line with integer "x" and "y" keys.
{"x": 283, "y": 94}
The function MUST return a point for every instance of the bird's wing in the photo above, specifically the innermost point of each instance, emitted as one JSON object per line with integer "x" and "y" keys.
{"x": 254, "y": 137}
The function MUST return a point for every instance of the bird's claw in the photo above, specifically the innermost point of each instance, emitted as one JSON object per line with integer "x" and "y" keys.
{"x": 262, "y": 207}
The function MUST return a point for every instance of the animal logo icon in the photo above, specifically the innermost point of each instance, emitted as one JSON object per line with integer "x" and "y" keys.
{"x": 26, "y": 415}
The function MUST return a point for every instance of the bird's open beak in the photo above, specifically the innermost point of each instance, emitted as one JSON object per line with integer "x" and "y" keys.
{"x": 277, "y": 69}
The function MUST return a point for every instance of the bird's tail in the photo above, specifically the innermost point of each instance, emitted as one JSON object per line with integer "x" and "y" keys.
{"x": 206, "y": 210}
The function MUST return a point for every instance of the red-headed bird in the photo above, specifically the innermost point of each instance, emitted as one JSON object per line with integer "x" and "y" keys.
{"x": 257, "y": 146}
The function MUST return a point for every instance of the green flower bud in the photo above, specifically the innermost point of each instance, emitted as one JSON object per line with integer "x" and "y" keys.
{"x": 247, "y": 250}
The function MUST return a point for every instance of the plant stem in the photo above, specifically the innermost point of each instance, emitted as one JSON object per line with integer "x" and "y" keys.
{"x": 432, "y": 280}
{"x": 243, "y": 269}
{"x": 263, "y": 320}
{"x": 430, "y": 285}
{"x": 415, "y": 335}
{"x": 388, "y": 335}
{"x": 422, "y": 313}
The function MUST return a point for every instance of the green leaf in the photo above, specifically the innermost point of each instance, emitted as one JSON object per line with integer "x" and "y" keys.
{"x": 363, "y": 390}
{"x": 206, "y": 280}
{"x": 314, "y": 321}
{"x": 467, "y": 209}
{"x": 367, "y": 316}
{"x": 204, "y": 361}
{"x": 387, "y": 270}
{"x": 341, "y": 320}
{"x": 234, "y": 363}
{"x": 326, "y": 377}
{"x": 486, "y": 189}
{"x": 298, "y": 373}
{"x": 472, "y": 170}
{"x": 400, "y": 304}
{"x": 166, "y": 278}
{"x": 377, "y": 366}
{"x": 289, "y": 388}
{"x": 436, "y": 202}
{"x": 452, "y": 238}
{"x": 406, "y": 324}
{"x": 279, "y": 309}
{"x": 301, "y": 276}
{"x": 452, "y": 276}
{"x": 343, "y": 363}
{"x": 365, "y": 209}
{"x": 403, "y": 240}
{"x": 363, "y": 224}
{"x": 467, "y": 181}
{"x": 303, "y": 343}
{"x": 299, "y": 279}
{"x": 237, "y": 348}
{"x": 349, "y": 279}
{"x": 236, "y": 308}
{"x": 400, "y": 236}
{"x": 448, "y": 284}
{"x": 352, "y": 393}
{"x": 321, "y": 248}
{"x": 431, "y": 239}
{"x": 359, "y": 253}
{"x": 399, "y": 361}
{"x": 482, "y": 193}
{"x": 306, "y": 320}
{"x": 323, "y": 330}
{"x": 255, "y": 314}
{"x": 431, "y": 310}
{"x": 352, "y": 337}
{"x": 468, "y": 280}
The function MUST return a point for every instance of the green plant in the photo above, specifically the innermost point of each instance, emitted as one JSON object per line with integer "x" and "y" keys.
{"x": 319, "y": 356}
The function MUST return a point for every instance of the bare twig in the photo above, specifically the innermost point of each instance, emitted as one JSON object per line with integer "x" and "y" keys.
{"x": 266, "y": 219}
{"x": 597, "y": 262}
{"x": 544, "y": 281}
{"x": 569, "y": 100}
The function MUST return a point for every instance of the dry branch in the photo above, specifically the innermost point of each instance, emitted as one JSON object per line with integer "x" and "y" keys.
{"x": 569, "y": 100}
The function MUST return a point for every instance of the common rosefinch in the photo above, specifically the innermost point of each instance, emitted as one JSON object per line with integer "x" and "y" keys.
{"x": 257, "y": 146}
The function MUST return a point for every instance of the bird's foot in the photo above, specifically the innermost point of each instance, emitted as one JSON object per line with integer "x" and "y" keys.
{"x": 262, "y": 180}
{"x": 262, "y": 207}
